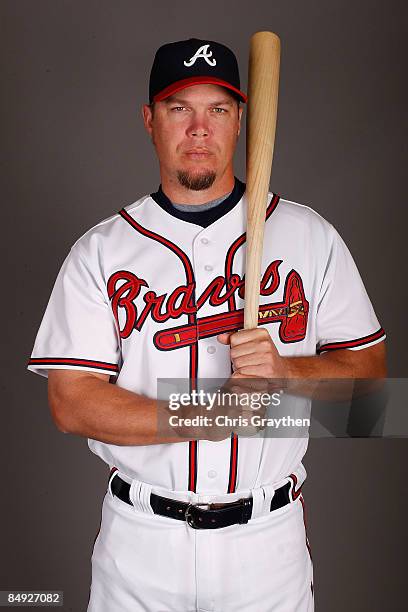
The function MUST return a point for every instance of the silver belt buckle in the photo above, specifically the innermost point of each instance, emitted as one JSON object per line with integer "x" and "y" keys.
{"x": 189, "y": 516}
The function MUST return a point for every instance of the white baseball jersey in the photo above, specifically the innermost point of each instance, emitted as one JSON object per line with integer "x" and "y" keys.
{"x": 143, "y": 295}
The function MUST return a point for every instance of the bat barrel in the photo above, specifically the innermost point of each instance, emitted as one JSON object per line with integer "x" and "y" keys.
{"x": 263, "y": 85}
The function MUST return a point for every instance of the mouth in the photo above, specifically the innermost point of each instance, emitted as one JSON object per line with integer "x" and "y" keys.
{"x": 198, "y": 153}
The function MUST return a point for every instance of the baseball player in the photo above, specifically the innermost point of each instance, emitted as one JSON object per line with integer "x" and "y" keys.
{"x": 157, "y": 291}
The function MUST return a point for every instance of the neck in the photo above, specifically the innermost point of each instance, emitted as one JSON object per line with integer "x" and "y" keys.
{"x": 179, "y": 194}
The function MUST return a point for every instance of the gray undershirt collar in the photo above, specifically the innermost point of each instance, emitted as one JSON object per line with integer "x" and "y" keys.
{"x": 201, "y": 207}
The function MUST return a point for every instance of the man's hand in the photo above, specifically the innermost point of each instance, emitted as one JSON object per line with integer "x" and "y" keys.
{"x": 253, "y": 353}
{"x": 234, "y": 405}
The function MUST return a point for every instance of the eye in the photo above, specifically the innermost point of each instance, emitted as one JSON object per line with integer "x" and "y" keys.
{"x": 219, "y": 110}
{"x": 178, "y": 108}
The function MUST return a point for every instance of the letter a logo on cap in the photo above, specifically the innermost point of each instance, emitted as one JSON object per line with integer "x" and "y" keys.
{"x": 204, "y": 53}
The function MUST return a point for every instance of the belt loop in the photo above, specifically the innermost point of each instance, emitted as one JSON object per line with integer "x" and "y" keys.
{"x": 262, "y": 497}
{"x": 139, "y": 494}
{"x": 134, "y": 494}
{"x": 269, "y": 492}
{"x": 145, "y": 492}
{"x": 258, "y": 497}
{"x": 113, "y": 473}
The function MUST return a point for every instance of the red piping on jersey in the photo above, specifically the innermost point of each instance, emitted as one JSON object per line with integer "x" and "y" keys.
{"x": 101, "y": 365}
{"x": 192, "y": 468}
{"x": 232, "y": 481}
{"x": 228, "y": 265}
{"x": 170, "y": 245}
{"x": 239, "y": 242}
{"x": 192, "y": 319}
{"x": 295, "y": 494}
{"x": 351, "y": 343}
{"x": 233, "y": 464}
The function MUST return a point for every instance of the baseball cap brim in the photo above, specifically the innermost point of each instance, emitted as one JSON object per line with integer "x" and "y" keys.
{"x": 197, "y": 80}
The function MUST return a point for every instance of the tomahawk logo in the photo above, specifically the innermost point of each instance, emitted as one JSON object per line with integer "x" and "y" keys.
{"x": 204, "y": 53}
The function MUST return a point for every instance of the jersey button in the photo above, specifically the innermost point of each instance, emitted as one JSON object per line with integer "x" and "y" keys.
{"x": 204, "y": 240}
{"x": 208, "y": 268}
{"x": 212, "y": 474}
{"x": 211, "y": 349}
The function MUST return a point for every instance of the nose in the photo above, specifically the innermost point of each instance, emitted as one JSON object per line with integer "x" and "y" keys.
{"x": 198, "y": 126}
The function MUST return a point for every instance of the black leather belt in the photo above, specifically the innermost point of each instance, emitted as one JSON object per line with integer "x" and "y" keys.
{"x": 202, "y": 515}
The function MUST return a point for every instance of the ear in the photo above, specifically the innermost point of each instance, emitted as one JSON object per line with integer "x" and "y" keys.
{"x": 147, "y": 118}
{"x": 240, "y": 111}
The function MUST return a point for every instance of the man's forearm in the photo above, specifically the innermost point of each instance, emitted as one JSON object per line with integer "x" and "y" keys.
{"x": 327, "y": 365}
{"x": 343, "y": 363}
{"x": 95, "y": 409}
{"x": 332, "y": 375}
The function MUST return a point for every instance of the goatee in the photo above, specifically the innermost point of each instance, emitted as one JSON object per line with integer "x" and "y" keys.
{"x": 196, "y": 182}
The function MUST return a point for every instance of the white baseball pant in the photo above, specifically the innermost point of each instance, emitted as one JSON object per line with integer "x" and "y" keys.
{"x": 145, "y": 562}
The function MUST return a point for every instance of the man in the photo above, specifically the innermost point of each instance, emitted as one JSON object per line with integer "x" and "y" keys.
{"x": 157, "y": 291}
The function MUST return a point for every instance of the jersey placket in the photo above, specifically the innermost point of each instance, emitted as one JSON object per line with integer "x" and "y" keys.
{"x": 213, "y": 357}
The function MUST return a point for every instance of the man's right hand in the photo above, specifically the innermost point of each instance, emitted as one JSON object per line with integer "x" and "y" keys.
{"x": 238, "y": 401}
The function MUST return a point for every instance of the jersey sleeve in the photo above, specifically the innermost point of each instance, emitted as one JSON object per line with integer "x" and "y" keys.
{"x": 345, "y": 315}
{"x": 78, "y": 329}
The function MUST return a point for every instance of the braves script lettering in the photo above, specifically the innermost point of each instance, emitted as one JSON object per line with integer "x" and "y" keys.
{"x": 125, "y": 287}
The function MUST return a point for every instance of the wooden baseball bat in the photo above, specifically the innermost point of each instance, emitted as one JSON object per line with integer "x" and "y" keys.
{"x": 263, "y": 85}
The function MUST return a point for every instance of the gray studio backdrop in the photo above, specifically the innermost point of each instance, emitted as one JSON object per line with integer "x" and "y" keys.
{"x": 74, "y": 75}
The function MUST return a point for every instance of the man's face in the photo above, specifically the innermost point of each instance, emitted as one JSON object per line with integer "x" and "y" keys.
{"x": 195, "y": 132}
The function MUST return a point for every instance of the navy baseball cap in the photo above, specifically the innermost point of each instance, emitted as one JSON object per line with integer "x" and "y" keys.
{"x": 193, "y": 62}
